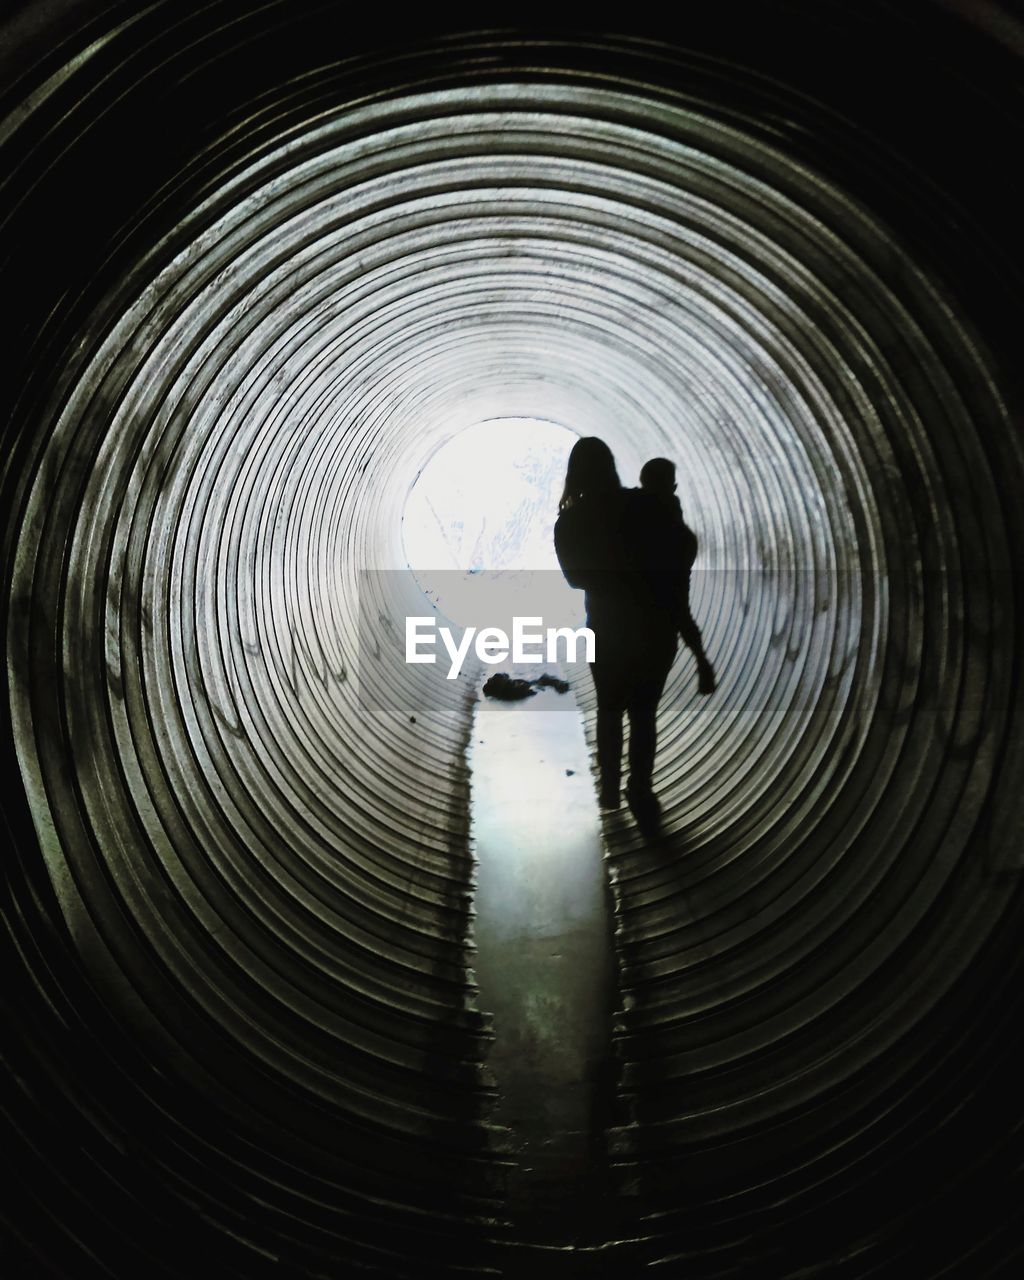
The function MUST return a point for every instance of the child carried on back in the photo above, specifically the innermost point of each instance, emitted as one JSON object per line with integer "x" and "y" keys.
{"x": 658, "y": 478}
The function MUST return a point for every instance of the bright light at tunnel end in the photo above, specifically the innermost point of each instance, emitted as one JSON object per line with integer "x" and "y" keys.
{"x": 478, "y": 535}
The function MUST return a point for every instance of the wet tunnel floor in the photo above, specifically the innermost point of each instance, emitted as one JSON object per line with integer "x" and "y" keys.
{"x": 545, "y": 963}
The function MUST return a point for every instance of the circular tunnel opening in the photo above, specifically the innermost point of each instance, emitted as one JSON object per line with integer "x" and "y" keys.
{"x": 478, "y": 525}
{"x": 242, "y": 878}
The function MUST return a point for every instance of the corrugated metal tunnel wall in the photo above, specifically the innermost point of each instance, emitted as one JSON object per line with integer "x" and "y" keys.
{"x": 257, "y": 267}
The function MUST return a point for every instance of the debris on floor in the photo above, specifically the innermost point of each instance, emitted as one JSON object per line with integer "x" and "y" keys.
{"x": 552, "y": 682}
{"x": 511, "y": 689}
{"x": 502, "y": 686}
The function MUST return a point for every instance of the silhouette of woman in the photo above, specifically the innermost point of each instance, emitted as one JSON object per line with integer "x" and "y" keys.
{"x": 616, "y": 544}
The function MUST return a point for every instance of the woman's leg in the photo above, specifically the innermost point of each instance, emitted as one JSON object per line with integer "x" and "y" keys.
{"x": 643, "y": 742}
{"x": 642, "y": 706}
{"x": 609, "y": 746}
{"x": 611, "y": 705}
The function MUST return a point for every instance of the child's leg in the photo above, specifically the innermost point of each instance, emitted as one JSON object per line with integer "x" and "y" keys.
{"x": 690, "y": 633}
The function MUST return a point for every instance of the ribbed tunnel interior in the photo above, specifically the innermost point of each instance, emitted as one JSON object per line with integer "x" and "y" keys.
{"x": 259, "y": 268}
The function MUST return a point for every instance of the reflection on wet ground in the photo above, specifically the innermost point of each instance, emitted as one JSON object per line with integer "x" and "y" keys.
{"x": 545, "y": 963}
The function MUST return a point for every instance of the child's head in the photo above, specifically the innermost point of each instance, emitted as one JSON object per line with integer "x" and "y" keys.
{"x": 659, "y": 475}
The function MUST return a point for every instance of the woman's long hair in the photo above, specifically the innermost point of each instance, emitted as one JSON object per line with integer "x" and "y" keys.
{"x": 591, "y": 471}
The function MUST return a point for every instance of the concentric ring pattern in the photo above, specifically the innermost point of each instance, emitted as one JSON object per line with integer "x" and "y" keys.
{"x": 241, "y": 896}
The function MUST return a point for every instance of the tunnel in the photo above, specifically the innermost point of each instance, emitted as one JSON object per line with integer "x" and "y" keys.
{"x": 261, "y": 262}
